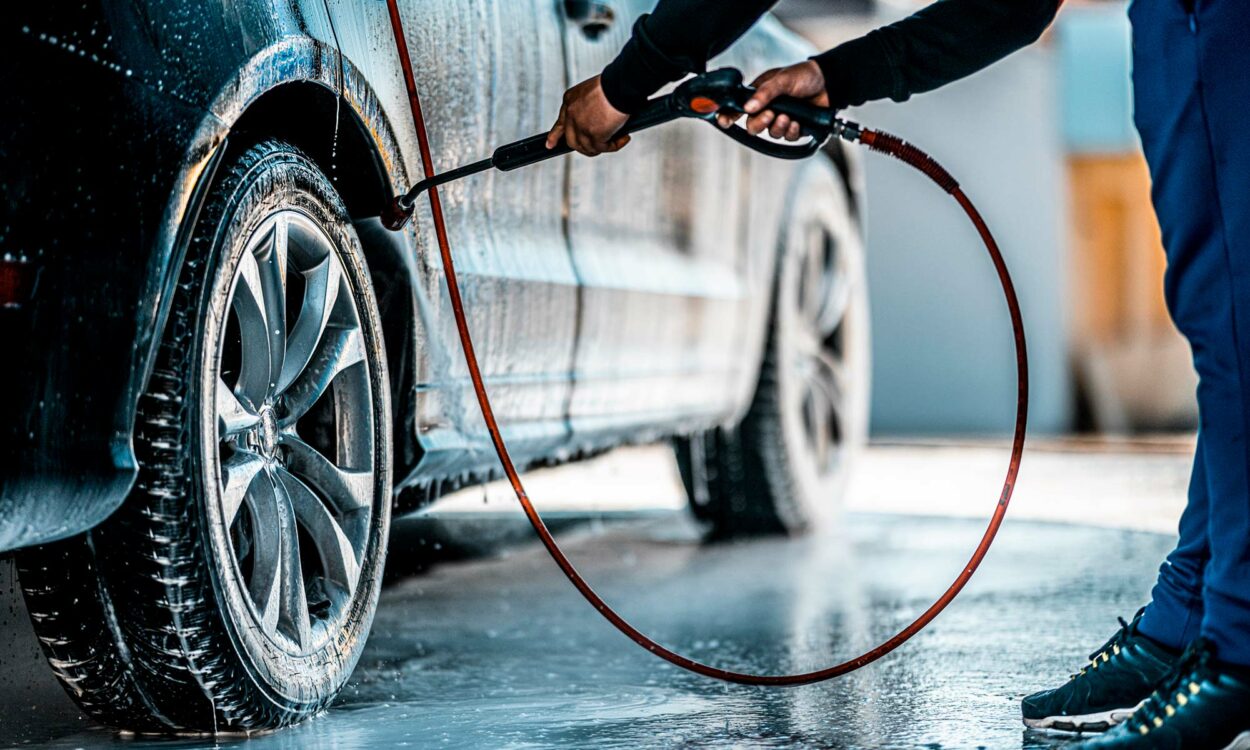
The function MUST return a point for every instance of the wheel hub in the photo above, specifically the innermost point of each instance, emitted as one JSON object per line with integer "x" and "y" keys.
{"x": 296, "y": 454}
{"x": 263, "y": 438}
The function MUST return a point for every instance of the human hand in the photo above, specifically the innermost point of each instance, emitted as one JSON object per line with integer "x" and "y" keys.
{"x": 588, "y": 122}
{"x": 802, "y": 81}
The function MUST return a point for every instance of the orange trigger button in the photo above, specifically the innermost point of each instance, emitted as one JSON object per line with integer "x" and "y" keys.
{"x": 703, "y": 105}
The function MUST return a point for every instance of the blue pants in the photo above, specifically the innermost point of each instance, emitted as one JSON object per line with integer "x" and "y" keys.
{"x": 1191, "y": 75}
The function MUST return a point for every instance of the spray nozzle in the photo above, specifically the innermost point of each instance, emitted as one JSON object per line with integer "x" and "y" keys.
{"x": 397, "y": 213}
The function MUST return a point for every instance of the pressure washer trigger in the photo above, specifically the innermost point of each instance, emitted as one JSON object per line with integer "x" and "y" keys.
{"x": 707, "y": 95}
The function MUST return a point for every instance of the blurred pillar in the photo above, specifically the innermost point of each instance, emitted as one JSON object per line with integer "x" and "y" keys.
{"x": 1132, "y": 369}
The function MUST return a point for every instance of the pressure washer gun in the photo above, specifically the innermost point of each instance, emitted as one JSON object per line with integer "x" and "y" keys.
{"x": 702, "y": 97}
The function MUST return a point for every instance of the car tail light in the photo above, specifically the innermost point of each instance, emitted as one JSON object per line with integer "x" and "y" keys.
{"x": 17, "y": 282}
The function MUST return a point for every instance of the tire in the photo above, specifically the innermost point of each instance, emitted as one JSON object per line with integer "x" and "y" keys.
{"x": 768, "y": 474}
{"x": 235, "y": 587}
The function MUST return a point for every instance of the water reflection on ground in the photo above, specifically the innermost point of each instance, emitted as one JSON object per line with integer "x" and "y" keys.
{"x": 502, "y": 653}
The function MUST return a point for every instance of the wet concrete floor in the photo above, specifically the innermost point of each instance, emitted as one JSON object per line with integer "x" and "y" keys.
{"x": 501, "y": 653}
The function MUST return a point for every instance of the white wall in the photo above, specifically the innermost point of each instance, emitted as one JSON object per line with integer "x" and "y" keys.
{"x": 942, "y": 347}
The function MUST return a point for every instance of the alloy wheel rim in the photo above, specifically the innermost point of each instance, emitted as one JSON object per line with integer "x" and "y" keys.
{"x": 295, "y": 434}
{"x": 821, "y": 305}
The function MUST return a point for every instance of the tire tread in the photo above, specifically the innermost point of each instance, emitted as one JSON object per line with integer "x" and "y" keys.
{"x": 168, "y": 662}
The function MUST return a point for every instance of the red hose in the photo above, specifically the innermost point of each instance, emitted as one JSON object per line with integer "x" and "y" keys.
{"x": 878, "y": 141}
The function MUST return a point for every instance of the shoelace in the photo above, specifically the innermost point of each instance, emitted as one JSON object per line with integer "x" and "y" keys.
{"x": 1176, "y": 690}
{"x": 1108, "y": 649}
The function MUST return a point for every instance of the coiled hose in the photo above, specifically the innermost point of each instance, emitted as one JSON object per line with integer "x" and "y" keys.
{"x": 874, "y": 140}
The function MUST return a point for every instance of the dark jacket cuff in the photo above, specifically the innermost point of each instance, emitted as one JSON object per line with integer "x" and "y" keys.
{"x": 859, "y": 71}
{"x": 638, "y": 71}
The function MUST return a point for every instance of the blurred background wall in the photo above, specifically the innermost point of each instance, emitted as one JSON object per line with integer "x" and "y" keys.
{"x": 1044, "y": 143}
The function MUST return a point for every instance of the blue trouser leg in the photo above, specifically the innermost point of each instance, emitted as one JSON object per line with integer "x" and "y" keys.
{"x": 1191, "y": 74}
{"x": 1174, "y": 614}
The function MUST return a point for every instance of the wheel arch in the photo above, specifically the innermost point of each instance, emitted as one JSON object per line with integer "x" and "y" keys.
{"x": 93, "y": 467}
{"x": 304, "y": 92}
{"x": 346, "y": 135}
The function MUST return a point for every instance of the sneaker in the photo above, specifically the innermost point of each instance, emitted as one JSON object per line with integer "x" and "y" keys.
{"x": 1119, "y": 676}
{"x": 1201, "y": 705}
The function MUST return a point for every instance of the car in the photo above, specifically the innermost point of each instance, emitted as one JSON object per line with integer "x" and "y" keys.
{"x": 224, "y": 378}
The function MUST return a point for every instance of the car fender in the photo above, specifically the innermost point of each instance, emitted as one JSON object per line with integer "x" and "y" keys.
{"x": 88, "y": 337}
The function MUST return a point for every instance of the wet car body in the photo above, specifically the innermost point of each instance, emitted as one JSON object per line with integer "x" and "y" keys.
{"x": 622, "y": 299}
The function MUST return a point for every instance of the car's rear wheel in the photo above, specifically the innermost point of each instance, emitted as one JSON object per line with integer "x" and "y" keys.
{"x": 235, "y": 587}
{"x": 784, "y": 468}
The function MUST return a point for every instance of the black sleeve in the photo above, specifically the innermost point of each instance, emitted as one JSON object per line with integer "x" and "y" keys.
{"x": 938, "y": 44}
{"x": 677, "y": 38}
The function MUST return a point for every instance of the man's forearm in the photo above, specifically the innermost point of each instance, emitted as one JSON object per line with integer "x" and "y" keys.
{"x": 677, "y": 38}
{"x": 941, "y": 43}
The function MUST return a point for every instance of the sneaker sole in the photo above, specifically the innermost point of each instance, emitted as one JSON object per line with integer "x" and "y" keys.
{"x": 1096, "y": 722}
{"x": 1241, "y": 743}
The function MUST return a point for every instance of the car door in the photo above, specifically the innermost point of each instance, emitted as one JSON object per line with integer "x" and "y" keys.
{"x": 487, "y": 72}
{"x": 654, "y": 236}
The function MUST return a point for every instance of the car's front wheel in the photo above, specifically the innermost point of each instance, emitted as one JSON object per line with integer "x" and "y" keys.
{"x": 784, "y": 468}
{"x": 235, "y": 587}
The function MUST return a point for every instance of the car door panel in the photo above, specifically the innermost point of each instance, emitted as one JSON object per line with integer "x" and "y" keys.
{"x": 662, "y": 293}
{"x": 487, "y": 72}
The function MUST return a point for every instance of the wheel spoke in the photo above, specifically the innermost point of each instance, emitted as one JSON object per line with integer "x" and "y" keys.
{"x": 818, "y": 426}
{"x": 338, "y": 559}
{"x": 838, "y": 286}
{"x": 339, "y": 349}
{"x": 824, "y": 434}
{"x": 824, "y": 293}
{"x": 837, "y": 301}
{"x": 292, "y": 599}
{"x": 265, "y": 583}
{"x": 829, "y": 379}
{"x": 233, "y": 416}
{"x": 807, "y": 342}
{"x": 321, "y": 292}
{"x": 826, "y": 385}
{"x": 249, "y": 307}
{"x": 271, "y": 260}
{"x": 347, "y": 490}
{"x": 238, "y": 473}
{"x": 815, "y": 274}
